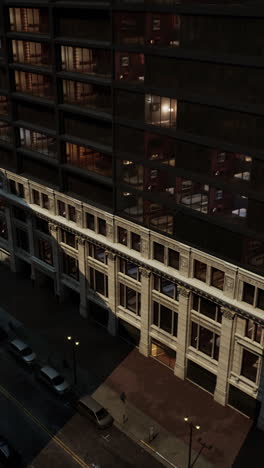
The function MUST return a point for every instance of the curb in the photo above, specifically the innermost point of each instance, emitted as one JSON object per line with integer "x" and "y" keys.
{"x": 145, "y": 446}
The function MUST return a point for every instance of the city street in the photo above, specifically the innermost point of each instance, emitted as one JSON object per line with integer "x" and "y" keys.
{"x": 47, "y": 432}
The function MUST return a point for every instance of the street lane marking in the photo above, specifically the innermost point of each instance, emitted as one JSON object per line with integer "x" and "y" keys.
{"x": 56, "y": 439}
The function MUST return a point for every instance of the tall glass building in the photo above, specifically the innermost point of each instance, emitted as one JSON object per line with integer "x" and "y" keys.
{"x": 132, "y": 168}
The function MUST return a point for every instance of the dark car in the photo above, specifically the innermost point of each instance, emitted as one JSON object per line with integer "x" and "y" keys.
{"x": 8, "y": 456}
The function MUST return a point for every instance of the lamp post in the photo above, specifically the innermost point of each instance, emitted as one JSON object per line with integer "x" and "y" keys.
{"x": 192, "y": 426}
{"x": 74, "y": 345}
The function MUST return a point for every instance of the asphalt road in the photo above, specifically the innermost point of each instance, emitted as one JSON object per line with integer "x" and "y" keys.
{"x": 47, "y": 432}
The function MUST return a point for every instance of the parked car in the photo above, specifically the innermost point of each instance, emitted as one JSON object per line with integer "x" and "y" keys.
{"x": 90, "y": 408}
{"x": 54, "y": 380}
{"x": 22, "y": 351}
{"x": 3, "y": 335}
{"x": 8, "y": 456}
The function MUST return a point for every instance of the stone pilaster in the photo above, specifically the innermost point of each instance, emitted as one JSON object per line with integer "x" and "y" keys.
{"x": 82, "y": 276}
{"x": 145, "y": 311}
{"x": 31, "y": 243}
{"x": 11, "y": 241}
{"x": 112, "y": 320}
{"x": 183, "y": 313}
{"x": 224, "y": 362}
{"x": 260, "y": 421}
{"x": 54, "y": 232}
{"x": 145, "y": 245}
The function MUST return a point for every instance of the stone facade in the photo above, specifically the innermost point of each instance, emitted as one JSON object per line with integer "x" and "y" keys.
{"x": 235, "y": 312}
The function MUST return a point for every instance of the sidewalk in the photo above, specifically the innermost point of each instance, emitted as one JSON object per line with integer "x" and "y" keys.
{"x": 108, "y": 367}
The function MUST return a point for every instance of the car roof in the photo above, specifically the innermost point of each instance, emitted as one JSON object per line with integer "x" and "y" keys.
{"x": 49, "y": 371}
{"x": 19, "y": 344}
{"x": 91, "y": 403}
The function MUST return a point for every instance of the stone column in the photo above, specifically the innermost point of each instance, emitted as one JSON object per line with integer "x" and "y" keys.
{"x": 182, "y": 338}
{"x": 145, "y": 312}
{"x": 82, "y": 276}
{"x": 260, "y": 421}
{"x": 112, "y": 288}
{"x": 224, "y": 362}
{"x": 31, "y": 244}
{"x": 11, "y": 241}
{"x": 54, "y": 232}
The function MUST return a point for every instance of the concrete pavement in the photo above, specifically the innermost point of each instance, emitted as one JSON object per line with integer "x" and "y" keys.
{"x": 108, "y": 366}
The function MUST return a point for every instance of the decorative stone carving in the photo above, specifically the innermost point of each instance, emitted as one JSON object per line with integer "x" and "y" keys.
{"x": 53, "y": 227}
{"x": 110, "y": 255}
{"x": 228, "y": 313}
{"x": 184, "y": 291}
{"x": 229, "y": 283}
{"x": 81, "y": 241}
{"x": 183, "y": 262}
{"x": 144, "y": 272}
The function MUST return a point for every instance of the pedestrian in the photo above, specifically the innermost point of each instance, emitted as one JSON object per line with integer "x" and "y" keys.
{"x": 123, "y": 397}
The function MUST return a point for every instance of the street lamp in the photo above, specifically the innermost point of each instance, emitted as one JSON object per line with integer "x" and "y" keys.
{"x": 192, "y": 426}
{"x": 74, "y": 345}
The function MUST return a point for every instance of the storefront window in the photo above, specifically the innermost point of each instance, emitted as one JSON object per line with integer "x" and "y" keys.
{"x": 248, "y": 293}
{"x": 174, "y": 259}
{"x": 158, "y": 252}
{"x": 68, "y": 238}
{"x": 122, "y": 235}
{"x": 163, "y": 353}
{"x": 217, "y": 278}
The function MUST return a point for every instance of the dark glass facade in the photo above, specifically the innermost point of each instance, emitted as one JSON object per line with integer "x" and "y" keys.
{"x": 145, "y": 109}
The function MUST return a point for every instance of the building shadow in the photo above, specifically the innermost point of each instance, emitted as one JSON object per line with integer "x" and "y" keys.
{"x": 44, "y": 313}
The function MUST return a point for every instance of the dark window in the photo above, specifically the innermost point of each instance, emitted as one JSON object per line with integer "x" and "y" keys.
{"x": 200, "y": 270}
{"x": 158, "y": 252}
{"x": 36, "y": 197}
{"x": 249, "y": 366}
{"x": 3, "y": 229}
{"x": 62, "y": 209}
{"x": 174, "y": 258}
{"x": 135, "y": 241}
{"x": 248, "y": 293}
{"x": 42, "y": 225}
{"x": 45, "y": 201}
{"x": 165, "y": 318}
{"x": 20, "y": 214}
{"x": 99, "y": 282}
{"x": 68, "y": 238}
{"x": 72, "y": 213}
{"x": 70, "y": 266}
{"x": 253, "y": 330}
{"x": 217, "y": 278}
{"x": 129, "y": 269}
{"x": 12, "y": 186}
{"x": 102, "y": 226}
{"x": 90, "y": 221}
{"x": 122, "y": 235}
{"x": 205, "y": 340}
{"x": 130, "y": 299}
{"x": 22, "y": 239}
{"x": 21, "y": 190}
{"x": 260, "y": 299}
{"x": 166, "y": 287}
{"x": 45, "y": 251}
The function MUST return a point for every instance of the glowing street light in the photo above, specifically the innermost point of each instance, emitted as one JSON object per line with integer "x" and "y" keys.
{"x": 192, "y": 426}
